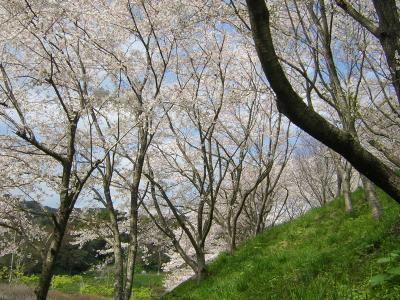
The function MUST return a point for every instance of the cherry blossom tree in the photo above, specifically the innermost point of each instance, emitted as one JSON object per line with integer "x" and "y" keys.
{"x": 162, "y": 108}
{"x": 21, "y": 236}
{"x": 47, "y": 83}
{"x": 382, "y": 21}
{"x": 291, "y": 104}
{"x": 341, "y": 84}
{"x": 258, "y": 157}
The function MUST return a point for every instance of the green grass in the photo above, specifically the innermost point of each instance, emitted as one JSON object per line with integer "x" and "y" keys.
{"x": 146, "y": 286}
{"x": 325, "y": 254}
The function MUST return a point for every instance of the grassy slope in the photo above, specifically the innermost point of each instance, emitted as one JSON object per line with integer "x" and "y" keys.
{"x": 324, "y": 254}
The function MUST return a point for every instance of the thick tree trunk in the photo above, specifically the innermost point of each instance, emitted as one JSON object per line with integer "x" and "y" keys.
{"x": 49, "y": 260}
{"x": 291, "y": 104}
{"x": 67, "y": 202}
{"x": 372, "y": 197}
{"x": 201, "y": 271}
{"x": 118, "y": 258}
{"x": 50, "y": 254}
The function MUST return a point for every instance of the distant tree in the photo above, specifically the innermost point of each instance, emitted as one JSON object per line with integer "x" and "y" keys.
{"x": 21, "y": 236}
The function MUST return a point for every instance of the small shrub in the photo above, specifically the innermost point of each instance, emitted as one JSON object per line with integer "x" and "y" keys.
{"x": 141, "y": 294}
{"x": 4, "y": 273}
{"x": 67, "y": 284}
{"x": 29, "y": 280}
{"x": 96, "y": 290}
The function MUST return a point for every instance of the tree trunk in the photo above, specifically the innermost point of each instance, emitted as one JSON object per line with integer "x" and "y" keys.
{"x": 260, "y": 225}
{"x": 50, "y": 255}
{"x": 291, "y": 104}
{"x": 118, "y": 261}
{"x": 201, "y": 271}
{"x": 119, "y": 274}
{"x": 67, "y": 202}
{"x": 132, "y": 249}
{"x": 388, "y": 33}
{"x": 133, "y": 222}
{"x": 339, "y": 183}
{"x": 389, "y": 37}
{"x": 347, "y": 190}
{"x": 372, "y": 197}
{"x": 232, "y": 244}
{"x": 347, "y": 196}
{"x": 113, "y": 216}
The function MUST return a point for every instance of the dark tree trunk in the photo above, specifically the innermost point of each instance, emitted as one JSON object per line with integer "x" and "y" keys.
{"x": 387, "y": 32}
{"x": 50, "y": 254}
{"x": 389, "y": 37}
{"x": 291, "y": 104}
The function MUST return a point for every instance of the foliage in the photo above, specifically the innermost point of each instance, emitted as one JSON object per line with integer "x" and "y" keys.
{"x": 172, "y": 92}
{"x": 29, "y": 280}
{"x": 4, "y": 273}
{"x": 145, "y": 285}
{"x": 325, "y": 254}
{"x": 141, "y": 293}
{"x": 390, "y": 275}
{"x": 96, "y": 290}
{"x": 65, "y": 283}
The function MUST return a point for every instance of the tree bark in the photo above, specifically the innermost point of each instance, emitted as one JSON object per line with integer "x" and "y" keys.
{"x": 133, "y": 222}
{"x": 339, "y": 183}
{"x": 389, "y": 37}
{"x": 372, "y": 197}
{"x": 291, "y": 105}
{"x": 201, "y": 271}
{"x": 113, "y": 216}
{"x": 50, "y": 254}
{"x": 49, "y": 260}
{"x": 387, "y": 32}
{"x": 67, "y": 202}
{"x": 346, "y": 186}
{"x": 132, "y": 249}
{"x": 118, "y": 259}
{"x": 119, "y": 270}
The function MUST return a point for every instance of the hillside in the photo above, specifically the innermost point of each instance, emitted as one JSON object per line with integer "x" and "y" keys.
{"x": 324, "y": 254}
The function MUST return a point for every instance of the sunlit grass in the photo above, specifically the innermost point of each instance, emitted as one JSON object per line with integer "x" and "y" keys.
{"x": 146, "y": 286}
{"x": 325, "y": 254}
